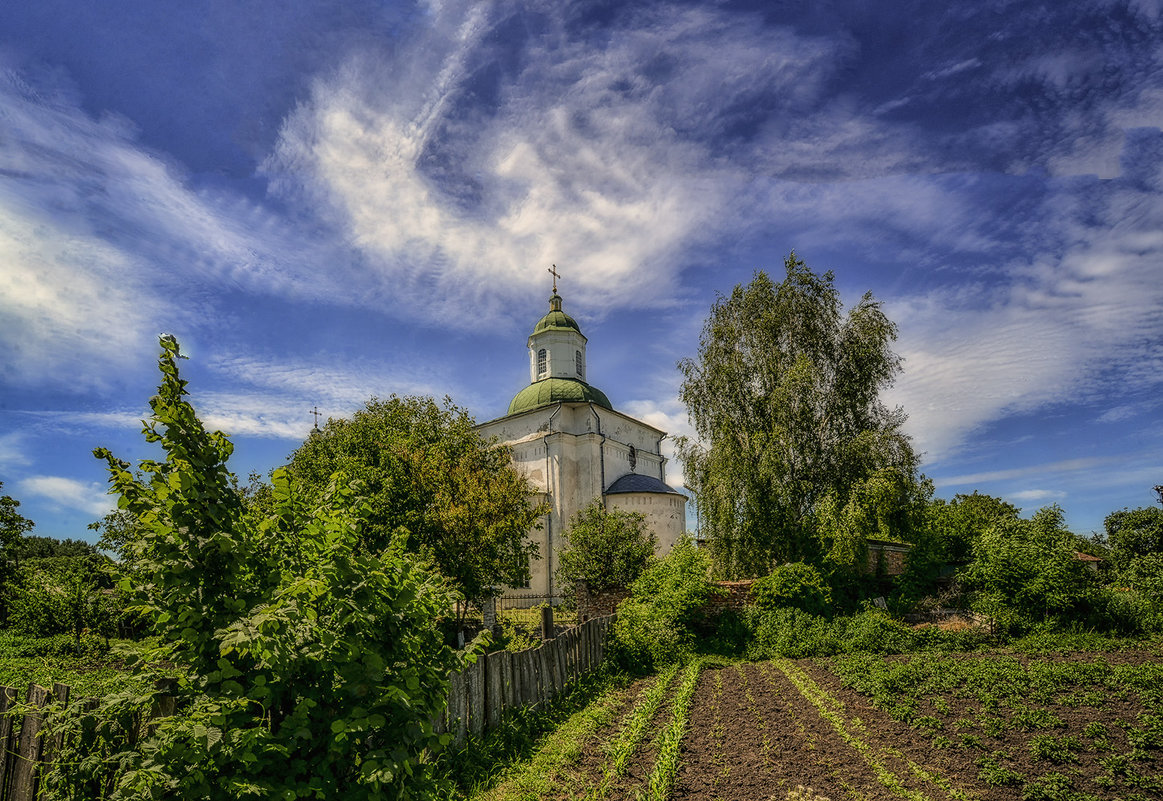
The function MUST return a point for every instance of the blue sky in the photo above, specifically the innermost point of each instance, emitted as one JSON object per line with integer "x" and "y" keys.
{"x": 328, "y": 201}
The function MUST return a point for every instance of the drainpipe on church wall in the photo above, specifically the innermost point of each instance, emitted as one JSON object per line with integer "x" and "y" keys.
{"x": 601, "y": 455}
{"x": 549, "y": 517}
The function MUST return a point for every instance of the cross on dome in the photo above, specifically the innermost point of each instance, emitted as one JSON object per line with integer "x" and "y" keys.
{"x": 553, "y": 270}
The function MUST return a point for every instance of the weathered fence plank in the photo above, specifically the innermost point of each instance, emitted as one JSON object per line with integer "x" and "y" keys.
{"x": 22, "y": 786}
{"x": 476, "y": 696}
{"x": 7, "y": 701}
{"x": 494, "y": 690}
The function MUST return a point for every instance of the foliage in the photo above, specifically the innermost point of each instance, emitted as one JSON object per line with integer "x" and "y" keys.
{"x": 945, "y": 537}
{"x": 607, "y": 548}
{"x": 65, "y": 594}
{"x": 1134, "y": 533}
{"x": 888, "y": 505}
{"x": 796, "y": 585}
{"x": 31, "y": 547}
{"x": 1025, "y": 572}
{"x": 424, "y": 469}
{"x": 307, "y": 665}
{"x": 13, "y": 525}
{"x": 785, "y": 401}
{"x": 654, "y": 625}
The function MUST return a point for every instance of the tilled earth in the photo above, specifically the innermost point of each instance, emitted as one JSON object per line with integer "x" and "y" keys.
{"x": 755, "y": 735}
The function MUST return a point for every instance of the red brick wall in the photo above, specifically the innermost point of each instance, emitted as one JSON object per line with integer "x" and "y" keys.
{"x": 600, "y": 603}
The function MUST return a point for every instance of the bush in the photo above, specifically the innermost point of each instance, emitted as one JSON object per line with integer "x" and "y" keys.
{"x": 796, "y": 585}
{"x": 606, "y": 548}
{"x": 655, "y": 624}
{"x": 792, "y": 633}
{"x": 875, "y": 631}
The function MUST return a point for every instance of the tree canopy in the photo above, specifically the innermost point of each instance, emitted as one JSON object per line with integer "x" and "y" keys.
{"x": 784, "y": 397}
{"x": 607, "y": 548}
{"x": 426, "y": 471}
{"x": 1134, "y": 533}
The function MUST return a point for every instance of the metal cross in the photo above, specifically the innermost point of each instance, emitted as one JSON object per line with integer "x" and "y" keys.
{"x": 315, "y": 412}
{"x": 553, "y": 271}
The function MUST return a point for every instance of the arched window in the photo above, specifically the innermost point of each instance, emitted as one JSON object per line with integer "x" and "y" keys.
{"x": 541, "y": 362}
{"x": 578, "y": 359}
{"x": 633, "y": 458}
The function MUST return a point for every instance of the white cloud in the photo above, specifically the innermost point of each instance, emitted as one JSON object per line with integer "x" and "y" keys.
{"x": 1036, "y": 495}
{"x": 12, "y": 450}
{"x": 70, "y": 493}
{"x": 97, "y": 235}
{"x": 1054, "y": 332}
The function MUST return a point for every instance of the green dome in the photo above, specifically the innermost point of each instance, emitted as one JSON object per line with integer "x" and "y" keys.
{"x": 549, "y": 391}
{"x": 556, "y": 319}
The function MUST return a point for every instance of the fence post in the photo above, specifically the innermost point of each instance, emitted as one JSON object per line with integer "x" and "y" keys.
{"x": 546, "y": 623}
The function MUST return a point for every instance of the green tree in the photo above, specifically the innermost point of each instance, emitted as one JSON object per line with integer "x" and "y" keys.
{"x": 308, "y": 664}
{"x": 1134, "y": 533}
{"x": 426, "y": 471}
{"x": 794, "y": 585}
{"x": 606, "y": 548}
{"x": 13, "y": 525}
{"x": 1025, "y": 572}
{"x": 785, "y": 401}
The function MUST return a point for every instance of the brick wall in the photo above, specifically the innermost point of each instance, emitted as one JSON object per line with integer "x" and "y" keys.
{"x": 598, "y": 603}
{"x": 888, "y": 557}
{"x": 738, "y": 593}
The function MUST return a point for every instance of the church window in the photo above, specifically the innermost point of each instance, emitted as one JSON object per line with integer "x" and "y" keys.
{"x": 541, "y": 362}
{"x": 633, "y": 458}
{"x": 578, "y": 359}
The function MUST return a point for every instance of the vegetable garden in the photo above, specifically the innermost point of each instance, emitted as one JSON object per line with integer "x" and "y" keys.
{"x": 996, "y": 724}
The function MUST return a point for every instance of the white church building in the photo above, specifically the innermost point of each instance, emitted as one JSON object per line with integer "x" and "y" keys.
{"x": 573, "y": 446}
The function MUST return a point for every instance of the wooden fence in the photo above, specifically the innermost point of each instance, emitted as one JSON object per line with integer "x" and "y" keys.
{"x": 22, "y": 747}
{"x": 479, "y": 694}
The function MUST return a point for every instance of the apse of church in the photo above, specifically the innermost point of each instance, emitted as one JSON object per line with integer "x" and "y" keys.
{"x": 573, "y": 446}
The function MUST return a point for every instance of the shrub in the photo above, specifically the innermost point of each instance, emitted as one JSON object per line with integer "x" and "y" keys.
{"x": 792, "y": 633}
{"x": 797, "y": 585}
{"x": 307, "y": 665}
{"x": 655, "y": 624}
{"x": 875, "y": 631}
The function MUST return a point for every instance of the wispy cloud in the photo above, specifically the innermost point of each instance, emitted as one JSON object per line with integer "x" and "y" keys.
{"x": 70, "y": 493}
{"x": 12, "y": 450}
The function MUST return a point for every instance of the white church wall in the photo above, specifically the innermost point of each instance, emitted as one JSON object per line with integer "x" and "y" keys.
{"x": 665, "y": 514}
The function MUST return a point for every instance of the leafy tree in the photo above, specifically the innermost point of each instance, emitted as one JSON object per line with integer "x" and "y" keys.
{"x": 785, "y": 401}
{"x": 606, "y": 548}
{"x": 944, "y": 538}
{"x": 13, "y": 525}
{"x": 887, "y": 505}
{"x": 29, "y": 547}
{"x": 1134, "y": 533}
{"x": 958, "y": 524}
{"x": 427, "y": 471}
{"x": 1025, "y": 572}
{"x": 309, "y": 665}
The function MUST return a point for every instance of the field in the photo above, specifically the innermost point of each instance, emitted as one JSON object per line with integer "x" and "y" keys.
{"x": 992, "y": 725}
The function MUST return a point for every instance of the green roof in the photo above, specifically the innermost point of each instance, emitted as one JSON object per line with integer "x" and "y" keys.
{"x": 556, "y": 319}
{"x": 549, "y": 391}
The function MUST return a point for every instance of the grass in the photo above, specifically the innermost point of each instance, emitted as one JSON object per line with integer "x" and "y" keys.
{"x": 520, "y": 761}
